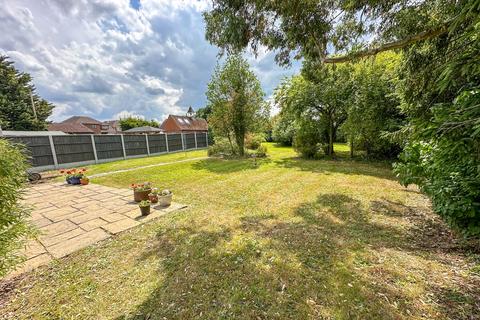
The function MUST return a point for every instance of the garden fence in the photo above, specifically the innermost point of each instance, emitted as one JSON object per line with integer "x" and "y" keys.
{"x": 54, "y": 152}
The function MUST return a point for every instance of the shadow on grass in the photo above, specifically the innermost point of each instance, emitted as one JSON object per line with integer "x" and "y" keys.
{"x": 375, "y": 169}
{"x": 316, "y": 264}
{"x": 222, "y": 166}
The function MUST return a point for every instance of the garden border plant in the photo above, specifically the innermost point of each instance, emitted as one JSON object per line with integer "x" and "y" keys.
{"x": 15, "y": 230}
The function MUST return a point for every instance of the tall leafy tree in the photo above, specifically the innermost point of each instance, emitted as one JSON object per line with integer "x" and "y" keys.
{"x": 236, "y": 98}
{"x": 374, "y": 112}
{"x": 320, "y": 94}
{"x": 283, "y": 128}
{"x": 20, "y": 107}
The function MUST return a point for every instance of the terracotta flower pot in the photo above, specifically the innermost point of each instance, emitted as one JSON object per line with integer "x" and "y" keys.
{"x": 153, "y": 198}
{"x": 165, "y": 201}
{"x": 84, "y": 181}
{"x": 140, "y": 195}
{"x": 145, "y": 211}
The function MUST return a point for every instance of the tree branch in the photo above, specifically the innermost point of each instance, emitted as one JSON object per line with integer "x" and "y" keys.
{"x": 389, "y": 46}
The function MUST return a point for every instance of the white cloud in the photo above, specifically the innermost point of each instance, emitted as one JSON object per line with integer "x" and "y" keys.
{"x": 127, "y": 114}
{"x": 105, "y": 58}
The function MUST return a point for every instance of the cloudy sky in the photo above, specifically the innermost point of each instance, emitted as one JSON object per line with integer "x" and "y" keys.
{"x": 111, "y": 58}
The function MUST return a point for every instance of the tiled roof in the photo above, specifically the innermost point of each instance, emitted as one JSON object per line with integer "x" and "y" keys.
{"x": 69, "y": 128}
{"x": 113, "y": 126}
{"x": 81, "y": 119}
{"x": 189, "y": 123}
{"x": 144, "y": 129}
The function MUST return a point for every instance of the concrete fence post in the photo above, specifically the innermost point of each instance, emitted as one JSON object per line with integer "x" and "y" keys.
{"x": 123, "y": 147}
{"x": 206, "y": 137}
{"x": 166, "y": 141}
{"x": 148, "y": 146}
{"x": 94, "y": 148}
{"x": 196, "y": 146}
{"x": 183, "y": 143}
{"x": 54, "y": 153}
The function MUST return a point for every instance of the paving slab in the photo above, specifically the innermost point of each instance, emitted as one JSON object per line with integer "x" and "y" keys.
{"x": 42, "y": 222}
{"x": 79, "y": 242}
{"x": 58, "y": 228}
{"x": 71, "y": 218}
{"x": 120, "y": 225}
{"x": 32, "y": 249}
{"x": 50, "y": 241}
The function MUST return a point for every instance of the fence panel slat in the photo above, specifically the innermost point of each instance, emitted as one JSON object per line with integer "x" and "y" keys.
{"x": 189, "y": 141}
{"x": 201, "y": 140}
{"x": 135, "y": 145}
{"x": 73, "y": 148}
{"x": 174, "y": 142}
{"x": 157, "y": 143}
{"x": 108, "y": 146}
{"x": 37, "y": 150}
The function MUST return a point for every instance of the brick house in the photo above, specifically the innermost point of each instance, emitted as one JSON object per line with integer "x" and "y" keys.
{"x": 185, "y": 124}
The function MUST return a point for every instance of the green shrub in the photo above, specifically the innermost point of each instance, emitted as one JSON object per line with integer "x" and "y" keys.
{"x": 14, "y": 227}
{"x": 307, "y": 140}
{"x": 261, "y": 151}
{"x": 222, "y": 146}
{"x": 254, "y": 140}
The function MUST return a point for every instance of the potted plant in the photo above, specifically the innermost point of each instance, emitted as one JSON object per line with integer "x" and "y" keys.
{"x": 165, "y": 198}
{"x": 84, "y": 180}
{"x": 73, "y": 176}
{"x": 153, "y": 195}
{"x": 141, "y": 191}
{"x": 144, "y": 207}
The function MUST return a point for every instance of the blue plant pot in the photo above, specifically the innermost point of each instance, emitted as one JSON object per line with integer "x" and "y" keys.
{"x": 73, "y": 180}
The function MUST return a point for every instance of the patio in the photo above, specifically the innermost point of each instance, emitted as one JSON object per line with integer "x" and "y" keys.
{"x": 73, "y": 217}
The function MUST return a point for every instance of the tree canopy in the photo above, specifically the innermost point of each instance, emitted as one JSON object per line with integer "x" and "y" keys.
{"x": 436, "y": 84}
{"x": 135, "y": 122}
{"x": 235, "y": 97}
{"x": 321, "y": 95}
{"x": 315, "y": 29}
{"x": 20, "y": 107}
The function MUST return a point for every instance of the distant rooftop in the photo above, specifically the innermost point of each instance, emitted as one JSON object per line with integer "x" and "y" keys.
{"x": 188, "y": 123}
{"x": 69, "y": 127}
{"x": 81, "y": 119}
{"x": 144, "y": 129}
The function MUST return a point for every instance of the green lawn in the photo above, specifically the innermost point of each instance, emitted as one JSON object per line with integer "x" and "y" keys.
{"x": 285, "y": 239}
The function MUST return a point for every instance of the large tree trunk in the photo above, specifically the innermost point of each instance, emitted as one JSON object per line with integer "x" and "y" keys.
{"x": 330, "y": 139}
{"x": 231, "y": 144}
{"x": 240, "y": 138}
{"x": 351, "y": 147}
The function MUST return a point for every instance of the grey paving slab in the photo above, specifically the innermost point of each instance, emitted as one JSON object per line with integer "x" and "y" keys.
{"x": 71, "y": 218}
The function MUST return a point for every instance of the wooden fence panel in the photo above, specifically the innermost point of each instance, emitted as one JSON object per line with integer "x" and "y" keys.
{"x": 37, "y": 149}
{"x": 201, "y": 140}
{"x": 79, "y": 148}
{"x": 108, "y": 146}
{"x": 73, "y": 148}
{"x": 157, "y": 143}
{"x": 175, "y": 142}
{"x": 135, "y": 145}
{"x": 189, "y": 141}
